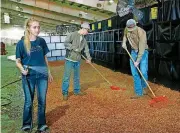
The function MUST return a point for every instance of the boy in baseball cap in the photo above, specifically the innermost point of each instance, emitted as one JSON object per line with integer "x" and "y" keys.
{"x": 139, "y": 52}
{"x": 74, "y": 44}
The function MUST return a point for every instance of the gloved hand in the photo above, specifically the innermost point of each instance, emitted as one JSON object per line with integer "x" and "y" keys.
{"x": 136, "y": 64}
{"x": 88, "y": 61}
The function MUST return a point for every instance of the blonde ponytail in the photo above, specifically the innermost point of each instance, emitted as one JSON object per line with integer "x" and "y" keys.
{"x": 27, "y": 42}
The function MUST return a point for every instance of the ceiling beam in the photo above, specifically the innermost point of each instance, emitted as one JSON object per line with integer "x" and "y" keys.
{"x": 40, "y": 17}
{"x": 44, "y": 12}
{"x": 61, "y": 9}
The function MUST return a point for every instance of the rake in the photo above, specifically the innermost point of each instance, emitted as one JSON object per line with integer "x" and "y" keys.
{"x": 111, "y": 86}
{"x": 155, "y": 98}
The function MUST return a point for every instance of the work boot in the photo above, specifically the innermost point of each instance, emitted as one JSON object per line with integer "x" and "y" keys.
{"x": 135, "y": 97}
{"x": 65, "y": 97}
{"x": 80, "y": 93}
{"x": 43, "y": 129}
{"x": 26, "y": 129}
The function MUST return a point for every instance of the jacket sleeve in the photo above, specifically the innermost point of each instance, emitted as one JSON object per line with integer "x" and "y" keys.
{"x": 68, "y": 42}
{"x": 124, "y": 42}
{"x": 86, "y": 51}
{"x": 142, "y": 44}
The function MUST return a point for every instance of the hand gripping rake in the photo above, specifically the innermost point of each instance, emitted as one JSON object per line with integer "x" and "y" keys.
{"x": 155, "y": 98}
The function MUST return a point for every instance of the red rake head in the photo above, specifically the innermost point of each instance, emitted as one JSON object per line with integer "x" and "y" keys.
{"x": 117, "y": 88}
{"x": 158, "y": 99}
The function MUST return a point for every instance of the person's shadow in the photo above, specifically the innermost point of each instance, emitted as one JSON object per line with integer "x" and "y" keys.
{"x": 96, "y": 83}
{"x": 55, "y": 114}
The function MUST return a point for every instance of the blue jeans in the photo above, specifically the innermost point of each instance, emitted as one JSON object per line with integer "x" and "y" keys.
{"x": 69, "y": 66}
{"x": 29, "y": 84}
{"x": 139, "y": 83}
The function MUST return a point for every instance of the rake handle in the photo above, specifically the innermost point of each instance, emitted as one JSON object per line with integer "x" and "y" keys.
{"x": 98, "y": 71}
{"x": 141, "y": 73}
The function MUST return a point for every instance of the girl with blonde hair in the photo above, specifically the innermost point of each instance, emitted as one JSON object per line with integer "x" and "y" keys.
{"x": 33, "y": 64}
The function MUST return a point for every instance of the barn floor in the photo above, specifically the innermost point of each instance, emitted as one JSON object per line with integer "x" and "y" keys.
{"x": 104, "y": 110}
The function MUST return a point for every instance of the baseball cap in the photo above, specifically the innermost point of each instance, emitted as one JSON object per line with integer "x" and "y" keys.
{"x": 85, "y": 25}
{"x": 131, "y": 25}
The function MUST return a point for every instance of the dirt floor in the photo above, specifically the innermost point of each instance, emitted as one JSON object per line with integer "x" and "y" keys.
{"x": 104, "y": 110}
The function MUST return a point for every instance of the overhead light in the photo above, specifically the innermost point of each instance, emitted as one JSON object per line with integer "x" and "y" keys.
{"x": 19, "y": 14}
{"x": 71, "y": 20}
{"x": 6, "y": 18}
{"x": 111, "y": 1}
{"x": 17, "y": 7}
{"x": 17, "y": 25}
{"x": 25, "y": 17}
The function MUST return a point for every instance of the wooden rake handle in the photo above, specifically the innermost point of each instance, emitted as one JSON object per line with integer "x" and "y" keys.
{"x": 98, "y": 71}
{"x": 141, "y": 74}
